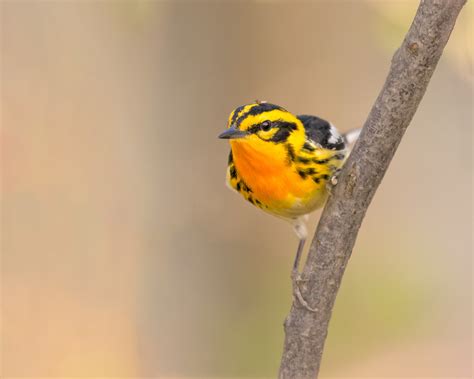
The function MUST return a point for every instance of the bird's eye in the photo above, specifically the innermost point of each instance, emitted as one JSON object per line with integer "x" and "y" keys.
{"x": 266, "y": 126}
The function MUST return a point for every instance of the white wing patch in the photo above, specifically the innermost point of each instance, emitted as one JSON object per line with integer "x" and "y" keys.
{"x": 335, "y": 136}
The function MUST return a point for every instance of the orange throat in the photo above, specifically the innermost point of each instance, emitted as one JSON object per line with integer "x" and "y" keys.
{"x": 255, "y": 163}
{"x": 267, "y": 169}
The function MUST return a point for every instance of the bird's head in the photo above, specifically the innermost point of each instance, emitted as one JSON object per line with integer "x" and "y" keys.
{"x": 264, "y": 127}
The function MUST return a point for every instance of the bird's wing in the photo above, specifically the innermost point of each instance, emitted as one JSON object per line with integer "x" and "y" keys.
{"x": 322, "y": 133}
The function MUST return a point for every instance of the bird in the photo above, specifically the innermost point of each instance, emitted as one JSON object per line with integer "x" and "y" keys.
{"x": 284, "y": 164}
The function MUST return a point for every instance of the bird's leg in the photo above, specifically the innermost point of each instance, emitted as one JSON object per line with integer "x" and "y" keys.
{"x": 300, "y": 229}
{"x": 296, "y": 263}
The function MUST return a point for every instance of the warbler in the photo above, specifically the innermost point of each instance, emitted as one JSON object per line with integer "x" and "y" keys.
{"x": 284, "y": 164}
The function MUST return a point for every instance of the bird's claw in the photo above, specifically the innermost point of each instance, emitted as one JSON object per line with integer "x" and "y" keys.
{"x": 332, "y": 181}
{"x": 295, "y": 279}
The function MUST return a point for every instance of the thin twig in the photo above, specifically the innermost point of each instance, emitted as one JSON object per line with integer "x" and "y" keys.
{"x": 412, "y": 66}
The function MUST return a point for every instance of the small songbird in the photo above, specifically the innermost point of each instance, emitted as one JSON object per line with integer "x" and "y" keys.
{"x": 284, "y": 164}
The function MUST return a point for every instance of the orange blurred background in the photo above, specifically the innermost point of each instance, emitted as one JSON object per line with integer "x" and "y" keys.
{"x": 124, "y": 255}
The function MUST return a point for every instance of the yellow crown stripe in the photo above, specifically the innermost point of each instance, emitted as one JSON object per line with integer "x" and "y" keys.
{"x": 236, "y": 113}
{"x": 231, "y": 117}
{"x": 246, "y": 109}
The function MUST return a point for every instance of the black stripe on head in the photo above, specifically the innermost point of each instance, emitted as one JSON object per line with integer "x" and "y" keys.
{"x": 236, "y": 113}
{"x": 256, "y": 110}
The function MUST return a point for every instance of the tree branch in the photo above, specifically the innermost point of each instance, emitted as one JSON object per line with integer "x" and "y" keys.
{"x": 412, "y": 66}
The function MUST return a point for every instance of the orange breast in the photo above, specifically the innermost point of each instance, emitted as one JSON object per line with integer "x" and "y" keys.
{"x": 271, "y": 177}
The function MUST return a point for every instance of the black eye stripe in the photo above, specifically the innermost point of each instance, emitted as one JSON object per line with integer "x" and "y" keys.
{"x": 286, "y": 125}
{"x": 255, "y": 128}
{"x": 284, "y": 129}
{"x": 280, "y": 124}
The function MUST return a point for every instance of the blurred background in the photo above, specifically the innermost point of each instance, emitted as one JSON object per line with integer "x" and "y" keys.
{"x": 123, "y": 253}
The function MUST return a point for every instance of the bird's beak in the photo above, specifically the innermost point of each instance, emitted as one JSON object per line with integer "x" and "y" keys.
{"x": 232, "y": 133}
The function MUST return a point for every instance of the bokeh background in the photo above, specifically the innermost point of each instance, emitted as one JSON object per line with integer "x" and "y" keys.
{"x": 123, "y": 253}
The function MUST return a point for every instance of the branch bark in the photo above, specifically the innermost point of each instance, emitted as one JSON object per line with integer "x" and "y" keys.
{"x": 412, "y": 66}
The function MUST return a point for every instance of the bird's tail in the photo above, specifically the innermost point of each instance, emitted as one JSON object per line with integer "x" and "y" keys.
{"x": 351, "y": 136}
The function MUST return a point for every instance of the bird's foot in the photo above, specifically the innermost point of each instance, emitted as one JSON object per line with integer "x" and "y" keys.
{"x": 332, "y": 181}
{"x": 295, "y": 280}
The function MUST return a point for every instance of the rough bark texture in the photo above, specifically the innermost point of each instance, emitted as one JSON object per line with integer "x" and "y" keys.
{"x": 411, "y": 69}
